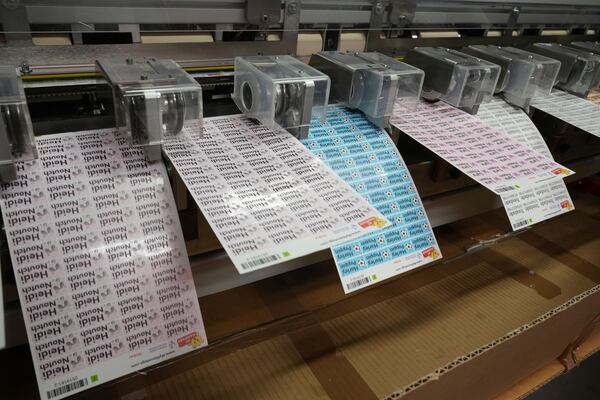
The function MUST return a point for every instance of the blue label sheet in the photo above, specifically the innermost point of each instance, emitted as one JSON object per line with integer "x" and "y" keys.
{"x": 367, "y": 159}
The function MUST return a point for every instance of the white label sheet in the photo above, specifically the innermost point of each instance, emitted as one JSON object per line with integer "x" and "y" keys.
{"x": 266, "y": 197}
{"x": 514, "y": 122}
{"x": 100, "y": 262}
{"x": 571, "y": 109}
{"x": 539, "y": 202}
{"x": 366, "y": 158}
{"x": 488, "y": 156}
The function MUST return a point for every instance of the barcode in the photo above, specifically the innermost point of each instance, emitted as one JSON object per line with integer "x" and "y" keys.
{"x": 504, "y": 189}
{"x": 67, "y": 388}
{"x": 260, "y": 261}
{"x": 357, "y": 283}
{"x": 520, "y": 224}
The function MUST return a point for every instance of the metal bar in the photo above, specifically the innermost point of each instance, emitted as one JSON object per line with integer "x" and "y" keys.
{"x": 561, "y": 19}
{"x": 399, "y": 46}
{"x": 460, "y": 17}
{"x": 42, "y": 14}
{"x": 81, "y": 58}
{"x": 317, "y": 16}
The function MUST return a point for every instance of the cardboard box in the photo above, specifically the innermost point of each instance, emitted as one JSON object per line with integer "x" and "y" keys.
{"x": 497, "y": 309}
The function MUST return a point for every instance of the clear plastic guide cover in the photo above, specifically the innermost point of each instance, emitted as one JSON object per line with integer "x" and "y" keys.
{"x": 100, "y": 262}
{"x": 370, "y": 82}
{"x": 266, "y": 197}
{"x": 571, "y": 109}
{"x": 16, "y": 133}
{"x": 592, "y": 47}
{"x": 153, "y": 99}
{"x": 457, "y": 78}
{"x": 280, "y": 91}
{"x": 539, "y": 202}
{"x": 523, "y": 75}
{"x": 486, "y": 155}
{"x": 2, "y": 332}
{"x": 366, "y": 158}
{"x": 579, "y": 69}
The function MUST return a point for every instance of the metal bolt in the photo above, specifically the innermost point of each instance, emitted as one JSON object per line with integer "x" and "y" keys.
{"x": 25, "y": 68}
{"x": 515, "y": 10}
{"x": 265, "y": 17}
{"x": 378, "y": 8}
{"x": 292, "y": 7}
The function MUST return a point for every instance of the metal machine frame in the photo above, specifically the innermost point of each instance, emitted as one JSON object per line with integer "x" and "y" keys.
{"x": 57, "y": 76}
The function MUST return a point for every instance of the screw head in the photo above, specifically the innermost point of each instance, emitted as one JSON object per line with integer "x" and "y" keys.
{"x": 25, "y": 68}
{"x": 292, "y": 7}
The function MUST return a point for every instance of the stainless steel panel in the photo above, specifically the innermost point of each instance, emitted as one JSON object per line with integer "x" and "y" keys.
{"x": 335, "y": 16}
{"x": 44, "y": 14}
{"x": 81, "y": 58}
{"x": 559, "y": 18}
{"x": 459, "y": 17}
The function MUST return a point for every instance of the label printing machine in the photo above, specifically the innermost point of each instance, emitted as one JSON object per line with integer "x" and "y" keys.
{"x": 150, "y": 68}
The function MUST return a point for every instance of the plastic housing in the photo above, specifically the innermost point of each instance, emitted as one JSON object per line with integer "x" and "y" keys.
{"x": 280, "y": 90}
{"x": 579, "y": 70}
{"x": 152, "y": 99}
{"x": 370, "y": 82}
{"x": 17, "y": 142}
{"x": 523, "y": 74}
{"x": 459, "y": 79}
{"x": 592, "y": 47}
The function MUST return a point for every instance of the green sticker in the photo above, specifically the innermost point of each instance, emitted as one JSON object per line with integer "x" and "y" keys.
{"x": 286, "y": 253}
{"x": 94, "y": 378}
{"x": 374, "y": 277}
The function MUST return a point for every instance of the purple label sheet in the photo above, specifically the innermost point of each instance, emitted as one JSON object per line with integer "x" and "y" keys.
{"x": 488, "y": 156}
{"x": 100, "y": 262}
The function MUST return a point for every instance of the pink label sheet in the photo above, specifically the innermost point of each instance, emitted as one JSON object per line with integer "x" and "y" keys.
{"x": 100, "y": 262}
